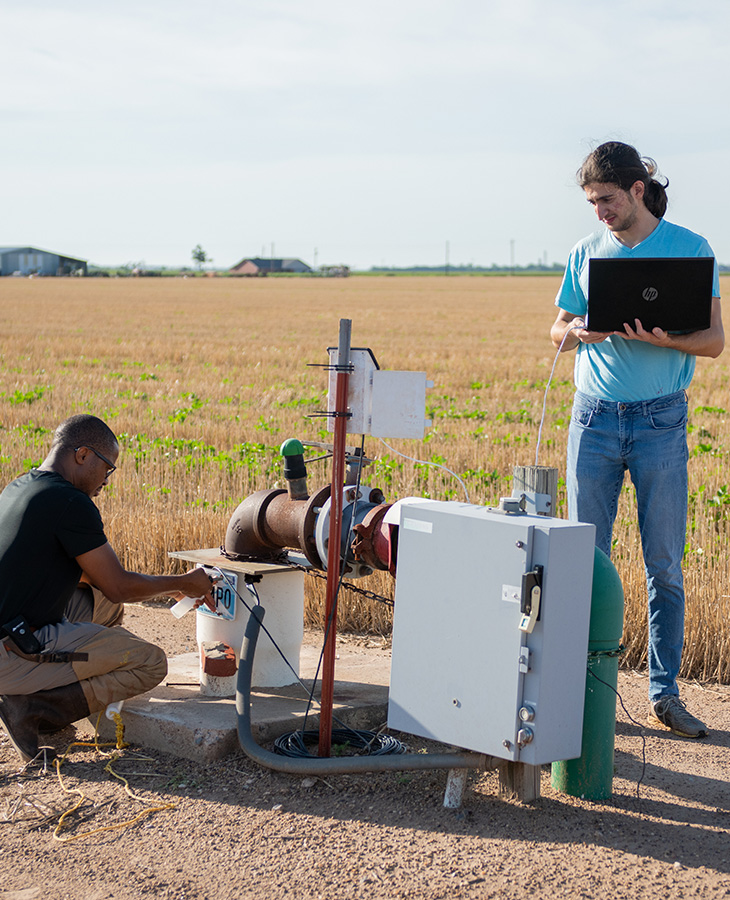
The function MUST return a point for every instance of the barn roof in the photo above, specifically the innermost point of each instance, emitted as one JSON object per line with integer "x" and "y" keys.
{"x": 26, "y": 249}
{"x": 269, "y": 263}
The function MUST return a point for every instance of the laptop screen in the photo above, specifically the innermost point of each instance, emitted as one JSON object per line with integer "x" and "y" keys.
{"x": 673, "y": 293}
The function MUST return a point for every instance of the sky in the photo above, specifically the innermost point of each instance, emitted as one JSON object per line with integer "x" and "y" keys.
{"x": 364, "y": 134}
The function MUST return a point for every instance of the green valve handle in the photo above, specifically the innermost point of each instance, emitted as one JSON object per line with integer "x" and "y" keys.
{"x": 292, "y": 447}
{"x": 295, "y": 471}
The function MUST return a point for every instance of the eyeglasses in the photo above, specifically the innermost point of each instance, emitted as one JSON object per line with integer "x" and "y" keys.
{"x": 112, "y": 468}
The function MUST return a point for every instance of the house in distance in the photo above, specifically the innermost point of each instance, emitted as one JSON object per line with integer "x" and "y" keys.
{"x": 258, "y": 266}
{"x": 32, "y": 261}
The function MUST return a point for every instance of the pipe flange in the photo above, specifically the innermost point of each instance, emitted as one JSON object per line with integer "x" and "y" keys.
{"x": 322, "y": 528}
{"x": 370, "y": 545}
{"x": 307, "y": 537}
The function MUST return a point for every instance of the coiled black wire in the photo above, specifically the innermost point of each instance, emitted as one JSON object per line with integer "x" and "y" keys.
{"x": 295, "y": 743}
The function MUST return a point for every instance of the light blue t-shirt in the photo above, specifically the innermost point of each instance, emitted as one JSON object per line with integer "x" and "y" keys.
{"x": 618, "y": 369}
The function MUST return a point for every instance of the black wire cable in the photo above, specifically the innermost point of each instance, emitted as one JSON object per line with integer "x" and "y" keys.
{"x": 295, "y": 743}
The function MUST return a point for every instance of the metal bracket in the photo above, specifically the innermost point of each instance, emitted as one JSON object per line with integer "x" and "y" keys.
{"x": 513, "y": 506}
{"x": 537, "y": 504}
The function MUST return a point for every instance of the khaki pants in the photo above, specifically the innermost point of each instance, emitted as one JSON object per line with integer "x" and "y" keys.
{"x": 120, "y": 665}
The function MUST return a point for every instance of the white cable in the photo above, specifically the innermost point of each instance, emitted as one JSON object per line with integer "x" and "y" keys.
{"x": 424, "y": 462}
{"x": 547, "y": 387}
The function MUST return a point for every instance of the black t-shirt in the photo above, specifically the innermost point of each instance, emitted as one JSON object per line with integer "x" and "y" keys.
{"x": 45, "y": 522}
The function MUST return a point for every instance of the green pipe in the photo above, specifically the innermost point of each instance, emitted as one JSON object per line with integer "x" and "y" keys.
{"x": 591, "y": 775}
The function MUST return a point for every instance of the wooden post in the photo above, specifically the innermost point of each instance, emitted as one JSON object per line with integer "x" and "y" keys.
{"x": 519, "y": 781}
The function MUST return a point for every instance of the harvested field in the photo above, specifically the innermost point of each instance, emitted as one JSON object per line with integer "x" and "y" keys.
{"x": 204, "y": 378}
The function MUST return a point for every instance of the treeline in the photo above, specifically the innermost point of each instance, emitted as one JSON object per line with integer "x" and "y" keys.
{"x": 494, "y": 269}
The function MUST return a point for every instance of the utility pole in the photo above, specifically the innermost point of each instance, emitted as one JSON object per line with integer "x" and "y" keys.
{"x": 446, "y": 266}
{"x": 512, "y": 257}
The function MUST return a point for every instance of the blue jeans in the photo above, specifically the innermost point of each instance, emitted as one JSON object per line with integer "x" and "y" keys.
{"x": 649, "y": 438}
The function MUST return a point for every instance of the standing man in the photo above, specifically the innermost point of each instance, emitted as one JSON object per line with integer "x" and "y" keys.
{"x": 54, "y": 671}
{"x": 630, "y": 407}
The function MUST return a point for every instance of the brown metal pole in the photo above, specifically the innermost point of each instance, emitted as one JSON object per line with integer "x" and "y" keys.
{"x": 335, "y": 535}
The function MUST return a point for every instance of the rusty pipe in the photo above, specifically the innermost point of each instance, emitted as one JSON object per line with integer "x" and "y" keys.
{"x": 268, "y": 522}
{"x": 374, "y": 543}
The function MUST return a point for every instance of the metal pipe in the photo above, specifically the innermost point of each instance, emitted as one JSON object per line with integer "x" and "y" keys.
{"x": 333, "y": 550}
{"x": 373, "y": 543}
{"x": 267, "y": 522}
{"x": 342, "y": 765}
{"x": 591, "y": 775}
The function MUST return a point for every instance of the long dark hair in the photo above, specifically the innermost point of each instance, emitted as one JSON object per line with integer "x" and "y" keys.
{"x": 617, "y": 163}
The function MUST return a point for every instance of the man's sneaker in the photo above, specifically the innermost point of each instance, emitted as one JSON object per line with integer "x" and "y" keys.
{"x": 671, "y": 713}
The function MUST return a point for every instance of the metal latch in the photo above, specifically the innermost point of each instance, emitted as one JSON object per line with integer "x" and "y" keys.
{"x": 530, "y": 600}
{"x": 524, "y": 660}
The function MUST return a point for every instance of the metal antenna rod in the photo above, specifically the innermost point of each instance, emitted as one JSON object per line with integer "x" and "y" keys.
{"x": 333, "y": 550}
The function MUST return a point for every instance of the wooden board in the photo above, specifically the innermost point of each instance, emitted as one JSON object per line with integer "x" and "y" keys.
{"x": 213, "y": 557}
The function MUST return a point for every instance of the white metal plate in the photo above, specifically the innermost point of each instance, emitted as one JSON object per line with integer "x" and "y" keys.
{"x": 359, "y": 390}
{"x": 224, "y": 593}
{"x": 398, "y": 405}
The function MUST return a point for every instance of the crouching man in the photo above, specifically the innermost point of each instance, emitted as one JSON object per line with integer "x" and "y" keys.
{"x": 54, "y": 671}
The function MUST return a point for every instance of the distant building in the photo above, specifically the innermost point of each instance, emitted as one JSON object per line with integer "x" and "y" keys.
{"x": 258, "y": 266}
{"x": 334, "y": 271}
{"x": 32, "y": 261}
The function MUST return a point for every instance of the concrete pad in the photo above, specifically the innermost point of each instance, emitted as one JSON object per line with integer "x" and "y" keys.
{"x": 177, "y": 719}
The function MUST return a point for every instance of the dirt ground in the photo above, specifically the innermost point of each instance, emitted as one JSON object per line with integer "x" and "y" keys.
{"x": 233, "y": 830}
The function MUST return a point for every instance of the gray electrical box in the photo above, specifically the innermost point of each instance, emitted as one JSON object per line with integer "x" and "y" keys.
{"x": 474, "y": 663}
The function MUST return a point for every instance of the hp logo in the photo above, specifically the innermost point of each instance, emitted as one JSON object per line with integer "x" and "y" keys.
{"x": 649, "y": 294}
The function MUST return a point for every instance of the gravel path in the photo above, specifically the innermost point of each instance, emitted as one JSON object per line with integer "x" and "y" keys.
{"x": 233, "y": 830}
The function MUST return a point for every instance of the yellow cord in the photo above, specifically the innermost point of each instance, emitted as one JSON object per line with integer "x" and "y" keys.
{"x": 120, "y": 745}
{"x": 120, "y": 731}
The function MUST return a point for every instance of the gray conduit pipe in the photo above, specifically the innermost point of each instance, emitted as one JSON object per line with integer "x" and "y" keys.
{"x": 329, "y": 766}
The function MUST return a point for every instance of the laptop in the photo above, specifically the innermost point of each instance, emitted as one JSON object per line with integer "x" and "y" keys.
{"x": 674, "y": 293}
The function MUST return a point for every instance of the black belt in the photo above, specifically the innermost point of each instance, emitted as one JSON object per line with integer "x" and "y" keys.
{"x": 62, "y": 657}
